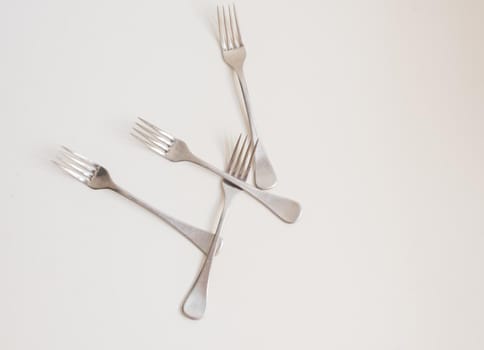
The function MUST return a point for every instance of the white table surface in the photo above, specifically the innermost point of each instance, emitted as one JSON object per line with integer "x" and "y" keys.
{"x": 372, "y": 113}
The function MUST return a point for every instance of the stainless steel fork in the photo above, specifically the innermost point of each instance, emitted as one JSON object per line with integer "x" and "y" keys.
{"x": 233, "y": 53}
{"x": 239, "y": 167}
{"x": 97, "y": 177}
{"x": 176, "y": 150}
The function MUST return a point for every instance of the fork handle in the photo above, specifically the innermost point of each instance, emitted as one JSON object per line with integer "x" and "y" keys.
{"x": 286, "y": 209}
{"x": 200, "y": 238}
{"x": 239, "y": 72}
{"x": 264, "y": 174}
{"x": 196, "y": 301}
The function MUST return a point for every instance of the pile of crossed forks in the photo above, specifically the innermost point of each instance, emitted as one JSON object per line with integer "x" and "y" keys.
{"x": 247, "y": 152}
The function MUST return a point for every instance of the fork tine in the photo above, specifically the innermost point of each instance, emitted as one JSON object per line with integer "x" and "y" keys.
{"x": 238, "y": 162}
{"x": 78, "y": 176}
{"x": 67, "y": 162}
{"x": 234, "y": 152}
{"x": 220, "y": 30}
{"x": 249, "y": 163}
{"x": 227, "y": 38}
{"x": 150, "y": 136}
{"x": 239, "y": 37}
{"x": 72, "y": 160}
{"x": 160, "y": 131}
{"x": 231, "y": 26}
{"x": 244, "y": 160}
{"x": 149, "y": 133}
{"x": 78, "y": 158}
{"x": 157, "y": 148}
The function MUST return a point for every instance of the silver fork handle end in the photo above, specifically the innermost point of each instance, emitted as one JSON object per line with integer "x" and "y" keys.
{"x": 264, "y": 174}
{"x": 196, "y": 302}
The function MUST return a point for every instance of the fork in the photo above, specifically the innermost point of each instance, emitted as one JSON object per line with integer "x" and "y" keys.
{"x": 233, "y": 53}
{"x": 239, "y": 167}
{"x": 97, "y": 177}
{"x": 176, "y": 150}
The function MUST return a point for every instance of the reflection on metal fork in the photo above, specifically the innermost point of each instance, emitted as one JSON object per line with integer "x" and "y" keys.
{"x": 239, "y": 167}
{"x": 171, "y": 148}
{"x": 233, "y": 52}
{"x": 97, "y": 177}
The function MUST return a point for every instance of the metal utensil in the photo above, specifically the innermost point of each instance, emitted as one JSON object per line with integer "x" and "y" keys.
{"x": 176, "y": 150}
{"x": 97, "y": 177}
{"x": 239, "y": 167}
{"x": 233, "y": 53}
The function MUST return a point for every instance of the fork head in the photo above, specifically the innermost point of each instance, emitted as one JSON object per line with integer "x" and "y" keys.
{"x": 160, "y": 142}
{"x": 240, "y": 162}
{"x": 230, "y": 39}
{"x": 82, "y": 169}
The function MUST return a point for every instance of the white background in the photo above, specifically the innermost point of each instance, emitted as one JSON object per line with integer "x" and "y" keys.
{"x": 372, "y": 114}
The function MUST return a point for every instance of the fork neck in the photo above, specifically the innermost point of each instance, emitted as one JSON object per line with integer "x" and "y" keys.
{"x": 112, "y": 186}
{"x": 239, "y": 70}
